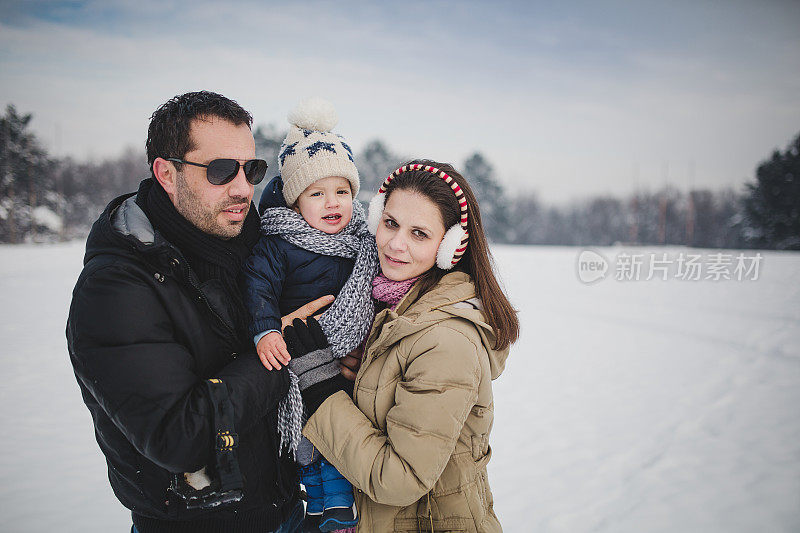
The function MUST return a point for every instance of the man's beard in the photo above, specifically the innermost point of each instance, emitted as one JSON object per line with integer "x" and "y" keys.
{"x": 205, "y": 219}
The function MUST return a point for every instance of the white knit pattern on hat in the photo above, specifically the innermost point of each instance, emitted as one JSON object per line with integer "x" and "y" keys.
{"x": 312, "y": 152}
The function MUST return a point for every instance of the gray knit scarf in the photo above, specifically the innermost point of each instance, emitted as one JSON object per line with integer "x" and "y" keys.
{"x": 349, "y": 318}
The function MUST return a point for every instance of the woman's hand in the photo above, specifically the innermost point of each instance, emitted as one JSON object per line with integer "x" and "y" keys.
{"x": 313, "y": 363}
{"x": 350, "y": 363}
{"x": 307, "y": 310}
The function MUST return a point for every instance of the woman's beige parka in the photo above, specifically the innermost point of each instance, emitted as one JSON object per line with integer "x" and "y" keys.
{"x": 414, "y": 440}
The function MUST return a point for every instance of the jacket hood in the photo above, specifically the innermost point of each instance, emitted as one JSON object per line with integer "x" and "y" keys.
{"x": 124, "y": 229}
{"x": 272, "y": 195}
{"x": 453, "y": 296}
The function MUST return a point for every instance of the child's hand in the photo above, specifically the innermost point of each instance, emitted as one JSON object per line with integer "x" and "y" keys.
{"x": 272, "y": 350}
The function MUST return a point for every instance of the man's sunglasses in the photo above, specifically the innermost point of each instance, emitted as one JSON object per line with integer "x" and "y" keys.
{"x": 221, "y": 171}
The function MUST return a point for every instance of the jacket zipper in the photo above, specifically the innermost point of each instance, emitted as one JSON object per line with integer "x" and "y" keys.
{"x": 201, "y": 296}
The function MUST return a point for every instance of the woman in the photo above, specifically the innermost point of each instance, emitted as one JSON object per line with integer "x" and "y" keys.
{"x": 414, "y": 438}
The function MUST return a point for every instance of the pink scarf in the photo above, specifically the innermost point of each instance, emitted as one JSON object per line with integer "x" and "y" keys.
{"x": 390, "y": 292}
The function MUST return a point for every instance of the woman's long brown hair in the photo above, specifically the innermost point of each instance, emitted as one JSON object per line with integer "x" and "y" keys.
{"x": 477, "y": 260}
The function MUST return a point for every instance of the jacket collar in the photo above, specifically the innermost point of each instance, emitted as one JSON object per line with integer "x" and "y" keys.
{"x": 453, "y": 296}
{"x": 123, "y": 229}
{"x": 129, "y": 219}
{"x": 452, "y": 288}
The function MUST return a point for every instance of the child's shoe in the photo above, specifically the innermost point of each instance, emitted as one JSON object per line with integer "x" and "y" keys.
{"x": 311, "y": 478}
{"x": 339, "y": 506}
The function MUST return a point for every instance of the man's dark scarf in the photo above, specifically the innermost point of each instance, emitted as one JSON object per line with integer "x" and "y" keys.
{"x": 209, "y": 257}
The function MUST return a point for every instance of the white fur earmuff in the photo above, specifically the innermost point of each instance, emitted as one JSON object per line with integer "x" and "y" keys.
{"x": 375, "y": 212}
{"x": 447, "y": 248}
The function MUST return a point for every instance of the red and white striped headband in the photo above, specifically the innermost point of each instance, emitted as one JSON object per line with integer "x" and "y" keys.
{"x": 462, "y": 200}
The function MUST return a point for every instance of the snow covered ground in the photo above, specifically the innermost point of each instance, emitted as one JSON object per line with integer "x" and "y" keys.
{"x": 657, "y": 406}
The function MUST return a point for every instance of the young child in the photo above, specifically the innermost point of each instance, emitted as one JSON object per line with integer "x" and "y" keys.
{"x": 318, "y": 244}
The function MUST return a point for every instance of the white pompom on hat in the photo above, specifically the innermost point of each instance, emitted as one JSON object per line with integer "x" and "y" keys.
{"x": 312, "y": 152}
{"x": 314, "y": 114}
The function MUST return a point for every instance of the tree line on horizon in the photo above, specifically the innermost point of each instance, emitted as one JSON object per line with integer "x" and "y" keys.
{"x": 46, "y": 198}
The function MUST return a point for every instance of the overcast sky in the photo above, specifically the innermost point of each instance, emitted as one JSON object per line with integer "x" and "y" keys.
{"x": 566, "y": 100}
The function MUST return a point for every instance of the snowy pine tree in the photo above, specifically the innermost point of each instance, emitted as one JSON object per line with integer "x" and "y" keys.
{"x": 490, "y": 195}
{"x": 375, "y": 162}
{"x": 772, "y": 206}
{"x": 27, "y": 197}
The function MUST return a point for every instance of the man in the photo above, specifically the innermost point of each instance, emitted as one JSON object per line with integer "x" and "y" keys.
{"x": 183, "y": 409}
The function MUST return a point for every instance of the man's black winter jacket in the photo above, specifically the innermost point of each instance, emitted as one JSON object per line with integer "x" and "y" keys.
{"x": 143, "y": 336}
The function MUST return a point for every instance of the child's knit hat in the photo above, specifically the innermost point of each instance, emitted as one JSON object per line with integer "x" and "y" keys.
{"x": 311, "y": 152}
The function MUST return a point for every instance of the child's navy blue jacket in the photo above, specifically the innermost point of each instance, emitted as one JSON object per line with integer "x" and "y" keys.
{"x": 280, "y": 277}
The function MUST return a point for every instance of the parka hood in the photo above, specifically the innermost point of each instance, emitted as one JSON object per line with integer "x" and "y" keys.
{"x": 124, "y": 229}
{"x": 453, "y": 296}
{"x": 272, "y": 195}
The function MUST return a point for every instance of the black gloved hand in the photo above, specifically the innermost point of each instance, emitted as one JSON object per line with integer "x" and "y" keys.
{"x": 313, "y": 363}
{"x": 303, "y": 338}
